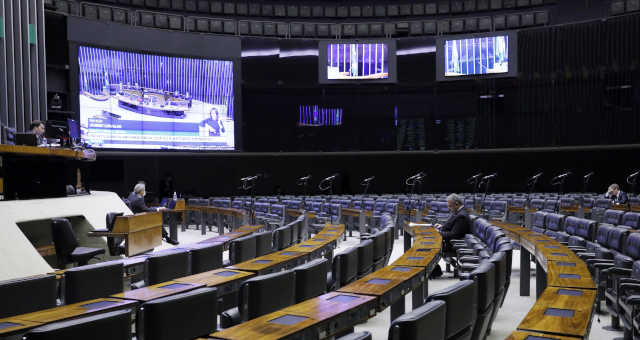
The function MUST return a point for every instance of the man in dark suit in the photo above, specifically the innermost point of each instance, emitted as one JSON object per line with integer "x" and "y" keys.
{"x": 616, "y": 195}
{"x": 37, "y": 128}
{"x": 136, "y": 200}
{"x": 456, "y": 227}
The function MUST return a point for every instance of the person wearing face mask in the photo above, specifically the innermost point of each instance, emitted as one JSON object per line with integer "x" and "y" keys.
{"x": 136, "y": 199}
{"x": 456, "y": 227}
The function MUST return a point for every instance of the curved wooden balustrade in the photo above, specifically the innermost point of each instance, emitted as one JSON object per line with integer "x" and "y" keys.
{"x": 565, "y": 290}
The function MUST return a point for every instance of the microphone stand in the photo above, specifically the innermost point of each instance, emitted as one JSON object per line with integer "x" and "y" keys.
{"x": 304, "y": 183}
{"x": 559, "y": 181}
{"x": 329, "y": 187}
{"x": 366, "y": 183}
{"x": 633, "y": 180}
{"x": 585, "y": 182}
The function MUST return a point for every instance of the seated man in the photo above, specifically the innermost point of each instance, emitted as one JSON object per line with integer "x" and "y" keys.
{"x": 136, "y": 199}
{"x": 37, "y": 128}
{"x": 456, "y": 227}
{"x": 616, "y": 195}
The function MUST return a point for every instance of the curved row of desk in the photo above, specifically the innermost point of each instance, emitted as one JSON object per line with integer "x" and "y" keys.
{"x": 564, "y": 288}
{"x": 332, "y": 313}
{"x": 227, "y": 280}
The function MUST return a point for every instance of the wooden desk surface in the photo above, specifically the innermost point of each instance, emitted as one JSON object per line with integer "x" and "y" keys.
{"x": 428, "y": 241}
{"x": 574, "y": 324}
{"x": 251, "y": 228}
{"x": 40, "y": 151}
{"x": 228, "y": 237}
{"x": 387, "y": 278}
{"x": 314, "y": 310}
{"x": 306, "y": 246}
{"x": 157, "y": 291}
{"x": 564, "y": 276}
{"x": 267, "y": 261}
{"x": 521, "y": 335}
{"x": 11, "y": 324}
{"x": 216, "y": 277}
{"x": 74, "y": 310}
{"x": 417, "y": 256}
{"x": 350, "y": 212}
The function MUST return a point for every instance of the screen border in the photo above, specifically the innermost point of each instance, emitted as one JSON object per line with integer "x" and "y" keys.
{"x": 322, "y": 65}
{"x": 513, "y": 55}
{"x": 119, "y": 37}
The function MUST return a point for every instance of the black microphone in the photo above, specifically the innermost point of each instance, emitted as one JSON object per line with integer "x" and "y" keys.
{"x": 563, "y": 175}
{"x": 367, "y": 180}
{"x": 589, "y": 175}
{"x": 305, "y": 178}
{"x": 536, "y": 176}
{"x": 493, "y": 175}
{"x": 334, "y": 176}
{"x": 473, "y": 178}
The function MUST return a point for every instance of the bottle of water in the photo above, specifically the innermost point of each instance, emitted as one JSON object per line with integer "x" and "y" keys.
{"x": 175, "y": 196}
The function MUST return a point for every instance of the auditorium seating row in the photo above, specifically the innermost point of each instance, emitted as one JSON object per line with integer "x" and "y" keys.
{"x": 302, "y": 29}
{"x": 175, "y": 299}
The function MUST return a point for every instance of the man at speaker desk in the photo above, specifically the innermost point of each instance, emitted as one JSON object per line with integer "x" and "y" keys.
{"x": 37, "y": 128}
{"x": 136, "y": 200}
{"x": 616, "y": 195}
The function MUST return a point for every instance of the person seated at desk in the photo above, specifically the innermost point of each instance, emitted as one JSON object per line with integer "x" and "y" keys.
{"x": 37, "y": 128}
{"x": 456, "y": 227}
{"x": 136, "y": 199}
{"x": 616, "y": 195}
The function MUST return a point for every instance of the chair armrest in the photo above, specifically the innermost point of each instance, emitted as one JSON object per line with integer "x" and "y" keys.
{"x": 626, "y": 288}
{"x": 628, "y": 280}
{"x": 586, "y": 256}
{"x": 577, "y": 249}
{"x": 470, "y": 259}
{"x": 633, "y": 300}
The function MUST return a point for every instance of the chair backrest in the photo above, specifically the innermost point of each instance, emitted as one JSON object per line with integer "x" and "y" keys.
{"x": 295, "y": 230}
{"x": 613, "y": 216}
{"x": 461, "y": 301}
{"x": 195, "y": 311}
{"x": 485, "y": 277}
{"x": 348, "y": 265}
{"x": 267, "y": 293}
{"x": 311, "y": 279}
{"x": 242, "y": 249}
{"x": 282, "y": 237}
{"x": 538, "y": 219}
{"x": 93, "y": 281}
{"x": 554, "y": 222}
{"x": 365, "y": 256}
{"x": 499, "y": 260}
{"x": 631, "y": 219}
{"x": 111, "y": 219}
{"x": 379, "y": 245}
{"x": 537, "y": 203}
{"x": 205, "y": 256}
{"x": 264, "y": 243}
{"x": 616, "y": 239}
{"x": 586, "y": 229}
{"x": 500, "y": 206}
{"x": 114, "y": 325}
{"x": 602, "y": 203}
{"x": 423, "y": 323}
{"x": 166, "y": 266}
{"x": 571, "y": 224}
{"x": 551, "y": 204}
{"x": 27, "y": 295}
{"x": 603, "y": 233}
{"x": 64, "y": 238}
{"x": 632, "y": 246}
{"x": 368, "y": 205}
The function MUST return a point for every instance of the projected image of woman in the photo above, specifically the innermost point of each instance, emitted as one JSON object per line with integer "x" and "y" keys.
{"x": 212, "y": 126}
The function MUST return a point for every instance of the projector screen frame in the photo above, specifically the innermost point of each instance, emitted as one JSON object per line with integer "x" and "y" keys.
{"x": 392, "y": 61}
{"x": 152, "y": 41}
{"x": 513, "y": 56}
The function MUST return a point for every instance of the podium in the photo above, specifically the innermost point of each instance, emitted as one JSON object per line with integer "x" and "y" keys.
{"x": 141, "y": 232}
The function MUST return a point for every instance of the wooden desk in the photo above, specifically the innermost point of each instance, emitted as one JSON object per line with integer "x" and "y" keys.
{"x": 272, "y": 262}
{"x": 29, "y": 172}
{"x": 419, "y": 257}
{"x": 521, "y": 335}
{"x": 390, "y": 284}
{"x": 84, "y": 308}
{"x": 225, "y": 280}
{"x": 11, "y": 325}
{"x": 142, "y": 232}
{"x": 157, "y": 291}
{"x": 576, "y": 323}
{"x": 226, "y": 238}
{"x": 577, "y": 276}
{"x": 320, "y": 317}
